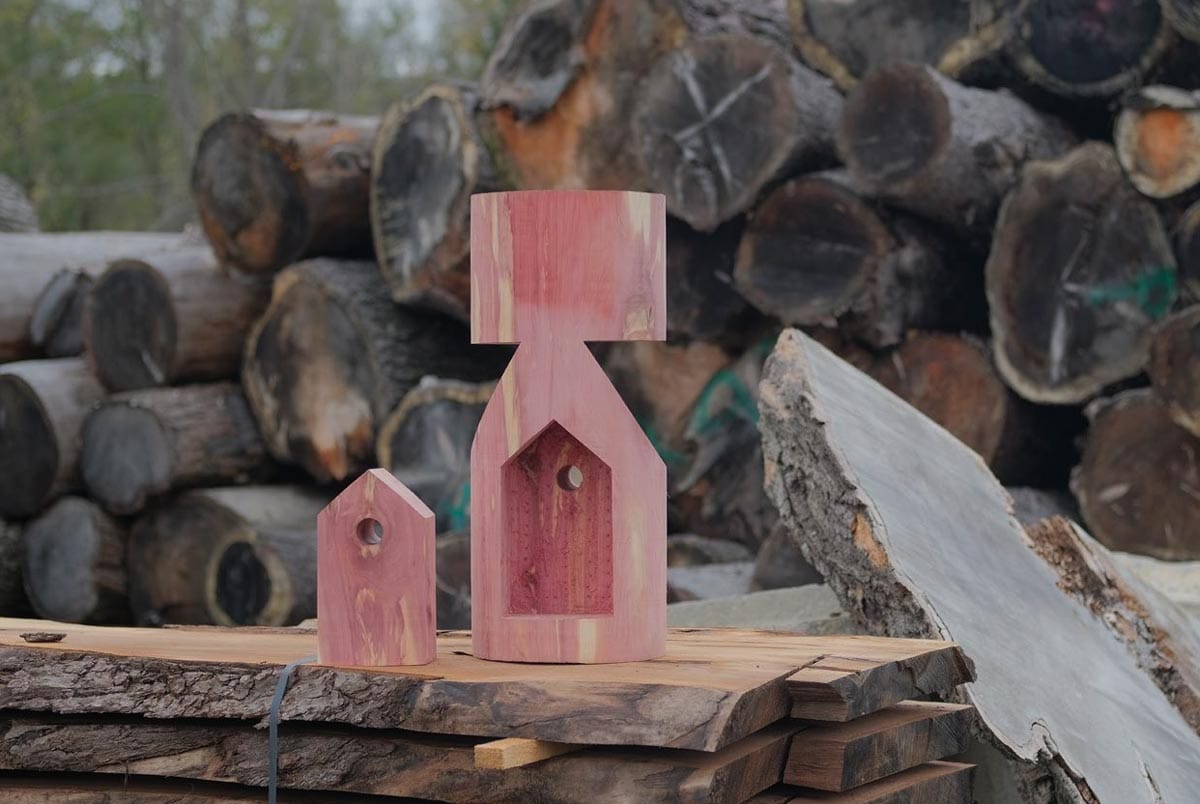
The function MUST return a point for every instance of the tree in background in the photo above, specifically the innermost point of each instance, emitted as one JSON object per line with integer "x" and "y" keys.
{"x": 102, "y": 101}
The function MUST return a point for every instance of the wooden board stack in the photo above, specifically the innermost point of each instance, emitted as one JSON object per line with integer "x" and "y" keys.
{"x": 724, "y": 716}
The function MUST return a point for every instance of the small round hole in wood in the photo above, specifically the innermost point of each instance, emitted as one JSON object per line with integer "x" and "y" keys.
{"x": 370, "y": 531}
{"x": 570, "y": 478}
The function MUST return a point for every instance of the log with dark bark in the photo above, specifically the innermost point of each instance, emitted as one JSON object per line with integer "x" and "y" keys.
{"x": 915, "y": 536}
{"x": 334, "y": 355}
{"x": 230, "y": 556}
{"x": 951, "y": 379}
{"x": 562, "y": 82}
{"x": 169, "y": 318}
{"x": 559, "y": 86}
{"x": 426, "y": 443}
{"x": 1080, "y": 269}
{"x": 56, "y": 324}
{"x": 814, "y": 251}
{"x": 13, "y": 601}
{"x": 1087, "y": 47}
{"x": 1184, "y": 16}
{"x": 75, "y": 564}
{"x": 42, "y": 405}
{"x": 16, "y": 212}
{"x": 428, "y": 159}
{"x": 689, "y": 125}
{"x": 1138, "y": 483}
{"x": 701, "y": 301}
{"x": 945, "y": 151}
{"x": 1174, "y": 366}
{"x": 141, "y": 444}
{"x": 1157, "y": 138}
{"x": 847, "y": 39}
{"x": 41, "y": 304}
{"x": 272, "y": 187}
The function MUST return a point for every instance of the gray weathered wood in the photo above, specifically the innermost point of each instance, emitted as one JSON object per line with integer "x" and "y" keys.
{"x": 42, "y": 406}
{"x": 916, "y": 537}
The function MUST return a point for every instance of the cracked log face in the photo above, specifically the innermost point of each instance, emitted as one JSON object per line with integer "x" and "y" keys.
{"x": 690, "y": 124}
{"x": 917, "y": 539}
{"x": 1138, "y": 484}
{"x": 1079, "y": 271}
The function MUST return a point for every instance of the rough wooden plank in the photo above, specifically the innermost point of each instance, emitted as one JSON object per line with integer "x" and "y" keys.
{"x": 931, "y": 783}
{"x": 60, "y": 788}
{"x": 842, "y": 688}
{"x": 388, "y": 762}
{"x": 839, "y": 757}
{"x": 516, "y": 752}
{"x": 375, "y": 576}
{"x": 711, "y": 688}
{"x": 916, "y": 537}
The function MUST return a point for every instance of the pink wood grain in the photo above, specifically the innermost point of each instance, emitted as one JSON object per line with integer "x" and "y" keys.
{"x": 558, "y": 550}
{"x": 582, "y": 264}
{"x": 561, "y": 573}
{"x": 376, "y": 602}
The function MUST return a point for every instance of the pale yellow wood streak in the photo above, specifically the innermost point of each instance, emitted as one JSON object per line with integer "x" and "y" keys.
{"x": 516, "y": 752}
{"x": 512, "y": 410}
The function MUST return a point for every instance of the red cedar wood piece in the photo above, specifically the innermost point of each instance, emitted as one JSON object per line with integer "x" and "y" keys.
{"x": 558, "y": 458}
{"x": 375, "y": 585}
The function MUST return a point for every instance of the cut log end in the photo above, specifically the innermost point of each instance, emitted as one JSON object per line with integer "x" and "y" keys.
{"x": 75, "y": 564}
{"x": 1137, "y": 482}
{"x": 1174, "y": 367}
{"x": 693, "y": 144}
{"x": 131, "y": 326}
{"x": 1088, "y": 47}
{"x": 29, "y": 455}
{"x": 896, "y": 123}
{"x": 249, "y": 191}
{"x": 426, "y": 166}
{"x": 809, "y": 250}
{"x": 242, "y": 556}
{"x": 132, "y": 439}
{"x": 1157, "y": 138}
{"x": 305, "y": 364}
{"x": 56, "y": 323}
{"x": 1063, "y": 340}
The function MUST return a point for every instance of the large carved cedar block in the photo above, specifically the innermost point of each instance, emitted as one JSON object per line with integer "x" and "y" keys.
{"x": 568, "y": 497}
{"x": 376, "y": 599}
{"x": 582, "y": 264}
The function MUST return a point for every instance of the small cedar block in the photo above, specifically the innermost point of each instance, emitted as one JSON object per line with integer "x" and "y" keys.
{"x": 585, "y": 265}
{"x": 375, "y": 576}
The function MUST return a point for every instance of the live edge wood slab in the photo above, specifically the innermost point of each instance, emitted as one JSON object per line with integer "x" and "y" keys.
{"x": 712, "y": 688}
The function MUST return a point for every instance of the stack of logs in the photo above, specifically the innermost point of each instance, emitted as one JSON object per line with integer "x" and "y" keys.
{"x": 932, "y": 194}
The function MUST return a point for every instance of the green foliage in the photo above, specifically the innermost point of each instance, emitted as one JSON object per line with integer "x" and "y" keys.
{"x": 102, "y": 101}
